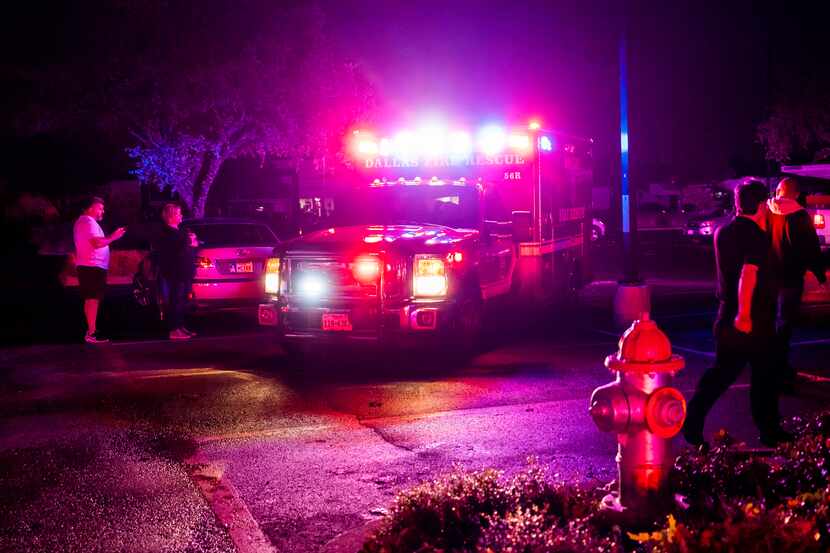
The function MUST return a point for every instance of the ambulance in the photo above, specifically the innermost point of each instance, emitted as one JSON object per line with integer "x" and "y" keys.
{"x": 430, "y": 226}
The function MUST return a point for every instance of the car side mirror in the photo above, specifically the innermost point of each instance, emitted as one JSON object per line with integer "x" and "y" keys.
{"x": 521, "y": 226}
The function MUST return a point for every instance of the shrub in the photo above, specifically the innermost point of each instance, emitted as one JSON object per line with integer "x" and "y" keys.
{"x": 726, "y": 501}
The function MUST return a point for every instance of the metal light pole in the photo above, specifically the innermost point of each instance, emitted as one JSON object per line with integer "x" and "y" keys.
{"x": 628, "y": 199}
{"x": 633, "y": 296}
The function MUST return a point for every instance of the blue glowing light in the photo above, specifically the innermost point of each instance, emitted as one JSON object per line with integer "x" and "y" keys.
{"x": 546, "y": 144}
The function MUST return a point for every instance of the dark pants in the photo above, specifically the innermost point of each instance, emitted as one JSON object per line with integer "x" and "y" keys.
{"x": 788, "y": 308}
{"x": 174, "y": 294}
{"x": 734, "y": 350}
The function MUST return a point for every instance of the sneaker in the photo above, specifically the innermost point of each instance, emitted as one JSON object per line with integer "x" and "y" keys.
{"x": 179, "y": 335}
{"x": 776, "y": 437}
{"x": 95, "y": 338}
{"x": 188, "y": 332}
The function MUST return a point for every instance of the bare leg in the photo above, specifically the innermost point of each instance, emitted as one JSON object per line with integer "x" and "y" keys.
{"x": 91, "y": 313}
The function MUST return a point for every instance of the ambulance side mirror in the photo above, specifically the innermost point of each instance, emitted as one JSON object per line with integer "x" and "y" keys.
{"x": 521, "y": 226}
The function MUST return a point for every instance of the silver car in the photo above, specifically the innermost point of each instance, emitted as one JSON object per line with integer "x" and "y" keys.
{"x": 229, "y": 266}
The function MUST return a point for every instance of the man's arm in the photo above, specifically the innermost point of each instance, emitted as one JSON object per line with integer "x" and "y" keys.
{"x": 102, "y": 241}
{"x": 746, "y": 288}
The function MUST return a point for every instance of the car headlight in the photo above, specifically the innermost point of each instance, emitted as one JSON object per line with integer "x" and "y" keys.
{"x": 430, "y": 277}
{"x": 272, "y": 276}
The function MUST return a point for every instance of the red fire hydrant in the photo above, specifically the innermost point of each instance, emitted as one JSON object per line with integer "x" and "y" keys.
{"x": 645, "y": 412}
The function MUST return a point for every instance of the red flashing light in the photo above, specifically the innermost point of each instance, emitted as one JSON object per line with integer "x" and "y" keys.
{"x": 366, "y": 269}
{"x": 455, "y": 257}
{"x": 818, "y": 220}
{"x": 204, "y": 263}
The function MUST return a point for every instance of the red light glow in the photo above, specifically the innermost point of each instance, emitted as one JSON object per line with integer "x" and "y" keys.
{"x": 366, "y": 269}
{"x": 204, "y": 263}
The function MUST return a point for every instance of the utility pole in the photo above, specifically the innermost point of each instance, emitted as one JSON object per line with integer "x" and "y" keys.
{"x": 628, "y": 195}
{"x": 633, "y": 296}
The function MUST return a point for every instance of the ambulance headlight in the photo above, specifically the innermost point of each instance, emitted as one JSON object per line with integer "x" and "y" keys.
{"x": 429, "y": 277}
{"x": 312, "y": 286}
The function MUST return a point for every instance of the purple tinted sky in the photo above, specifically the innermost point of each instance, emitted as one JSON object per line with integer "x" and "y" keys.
{"x": 698, "y": 70}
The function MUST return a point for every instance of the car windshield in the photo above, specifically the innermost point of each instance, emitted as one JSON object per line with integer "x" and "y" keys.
{"x": 218, "y": 235}
{"x": 451, "y": 206}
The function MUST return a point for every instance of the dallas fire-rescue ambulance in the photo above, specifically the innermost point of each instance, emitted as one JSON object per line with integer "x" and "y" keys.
{"x": 432, "y": 225}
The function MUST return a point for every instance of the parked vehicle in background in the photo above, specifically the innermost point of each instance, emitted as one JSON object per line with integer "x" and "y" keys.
{"x": 703, "y": 226}
{"x": 597, "y": 229}
{"x": 653, "y": 216}
{"x": 230, "y": 264}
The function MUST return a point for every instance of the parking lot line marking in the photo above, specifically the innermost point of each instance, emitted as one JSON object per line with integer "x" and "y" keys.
{"x": 813, "y": 377}
{"x": 812, "y": 342}
{"x": 688, "y": 315}
{"x": 693, "y": 351}
{"x": 674, "y": 346}
{"x": 269, "y": 433}
{"x": 228, "y": 506}
{"x": 192, "y": 340}
{"x": 152, "y": 374}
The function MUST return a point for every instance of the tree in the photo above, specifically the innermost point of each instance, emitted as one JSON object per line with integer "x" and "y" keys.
{"x": 280, "y": 91}
{"x": 797, "y": 132}
{"x": 184, "y": 87}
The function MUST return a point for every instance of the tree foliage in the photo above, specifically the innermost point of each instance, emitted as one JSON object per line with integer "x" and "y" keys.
{"x": 797, "y": 132}
{"x": 273, "y": 84}
{"x": 187, "y": 86}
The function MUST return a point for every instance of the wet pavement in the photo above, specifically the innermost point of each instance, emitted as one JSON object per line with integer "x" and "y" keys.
{"x": 220, "y": 444}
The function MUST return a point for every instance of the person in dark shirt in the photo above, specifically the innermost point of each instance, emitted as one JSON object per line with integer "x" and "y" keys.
{"x": 745, "y": 324}
{"x": 795, "y": 250}
{"x": 175, "y": 254}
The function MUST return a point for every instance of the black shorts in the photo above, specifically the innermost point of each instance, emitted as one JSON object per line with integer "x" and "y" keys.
{"x": 93, "y": 282}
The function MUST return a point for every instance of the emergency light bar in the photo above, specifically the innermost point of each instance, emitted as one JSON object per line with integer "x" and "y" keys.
{"x": 434, "y": 142}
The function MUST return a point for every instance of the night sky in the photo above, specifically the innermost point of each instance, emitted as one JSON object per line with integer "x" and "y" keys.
{"x": 700, "y": 71}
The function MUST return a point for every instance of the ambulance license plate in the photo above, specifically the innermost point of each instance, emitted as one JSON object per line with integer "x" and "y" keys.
{"x": 337, "y": 322}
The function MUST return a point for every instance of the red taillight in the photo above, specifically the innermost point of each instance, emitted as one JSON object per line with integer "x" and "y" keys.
{"x": 204, "y": 263}
{"x": 818, "y": 220}
{"x": 366, "y": 269}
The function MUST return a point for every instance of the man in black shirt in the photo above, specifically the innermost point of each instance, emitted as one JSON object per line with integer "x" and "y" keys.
{"x": 175, "y": 254}
{"x": 745, "y": 325}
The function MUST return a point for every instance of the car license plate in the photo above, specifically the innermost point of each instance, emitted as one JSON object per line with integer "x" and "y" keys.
{"x": 247, "y": 267}
{"x": 336, "y": 322}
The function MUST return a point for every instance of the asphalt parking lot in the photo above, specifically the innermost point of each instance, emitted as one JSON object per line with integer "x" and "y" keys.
{"x": 222, "y": 443}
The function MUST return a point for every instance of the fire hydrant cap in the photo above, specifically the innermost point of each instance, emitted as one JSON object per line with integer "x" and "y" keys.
{"x": 644, "y": 348}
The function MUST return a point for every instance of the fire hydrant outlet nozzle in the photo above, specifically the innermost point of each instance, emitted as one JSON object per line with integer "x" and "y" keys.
{"x": 665, "y": 412}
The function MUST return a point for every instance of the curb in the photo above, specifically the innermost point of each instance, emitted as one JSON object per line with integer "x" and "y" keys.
{"x": 226, "y": 503}
{"x": 351, "y": 541}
